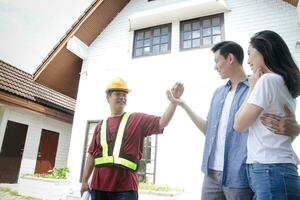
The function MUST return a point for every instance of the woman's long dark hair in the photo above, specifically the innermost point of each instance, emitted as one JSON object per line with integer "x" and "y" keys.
{"x": 278, "y": 58}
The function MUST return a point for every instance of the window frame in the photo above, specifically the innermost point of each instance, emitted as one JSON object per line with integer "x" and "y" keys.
{"x": 153, "y": 152}
{"x": 201, "y": 19}
{"x": 151, "y": 29}
{"x": 86, "y": 138}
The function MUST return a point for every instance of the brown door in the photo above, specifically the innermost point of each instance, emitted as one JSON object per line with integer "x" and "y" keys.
{"x": 47, "y": 152}
{"x": 11, "y": 151}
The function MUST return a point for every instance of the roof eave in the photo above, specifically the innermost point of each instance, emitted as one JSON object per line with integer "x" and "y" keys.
{"x": 66, "y": 38}
{"x": 61, "y": 68}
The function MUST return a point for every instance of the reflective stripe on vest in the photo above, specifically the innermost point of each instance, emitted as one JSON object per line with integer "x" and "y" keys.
{"x": 114, "y": 159}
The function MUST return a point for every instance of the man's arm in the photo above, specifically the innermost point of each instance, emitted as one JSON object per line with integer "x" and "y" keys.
{"x": 198, "y": 121}
{"x": 89, "y": 166}
{"x": 286, "y": 125}
{"x": 177, "y": 91}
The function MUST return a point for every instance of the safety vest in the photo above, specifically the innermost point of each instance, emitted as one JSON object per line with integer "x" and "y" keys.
{"x": 112, "y": 156}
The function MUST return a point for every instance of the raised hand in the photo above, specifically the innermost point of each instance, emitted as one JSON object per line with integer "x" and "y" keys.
{"x": 175, "y": 94}
{"x": 177, "y": 90}
{"x": 254, "y": 77}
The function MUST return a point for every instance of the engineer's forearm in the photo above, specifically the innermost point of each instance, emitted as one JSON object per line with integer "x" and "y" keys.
{"x": 89, "y": 166}
{"x": 167, "y": 116}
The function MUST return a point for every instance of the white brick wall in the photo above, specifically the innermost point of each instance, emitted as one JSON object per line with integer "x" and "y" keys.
{"x": 110, "y": 55}
{"x": 298, "y": 12}
{"x": 36, "y": 122}
{"x": 248, "y": 17}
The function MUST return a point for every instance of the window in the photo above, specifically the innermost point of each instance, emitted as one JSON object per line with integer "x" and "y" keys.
{"x": 90, "y": 127}
{"x": 152, "y": 41}
{"x": 201, "y": 32}
{"x": 147, "y": 165}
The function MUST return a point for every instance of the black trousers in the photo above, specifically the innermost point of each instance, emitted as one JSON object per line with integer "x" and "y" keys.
{"x": 100, "y": 195}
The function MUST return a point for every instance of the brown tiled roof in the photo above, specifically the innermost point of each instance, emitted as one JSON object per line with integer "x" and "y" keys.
{"x": 20, "y": 83}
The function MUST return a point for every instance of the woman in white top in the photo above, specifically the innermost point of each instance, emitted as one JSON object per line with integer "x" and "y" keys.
{"x": 275, "y": 83}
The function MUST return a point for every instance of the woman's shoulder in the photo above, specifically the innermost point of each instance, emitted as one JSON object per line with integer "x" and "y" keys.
{"x": 271, "y": 78}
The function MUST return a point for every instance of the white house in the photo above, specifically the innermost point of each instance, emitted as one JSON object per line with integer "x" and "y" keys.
{"x": 35, "y": 125}
{"x": 153, "y": 44}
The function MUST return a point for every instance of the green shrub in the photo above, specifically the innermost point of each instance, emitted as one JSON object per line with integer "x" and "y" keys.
{"x": 59, "y": 172}
{"x": 55, "y": 173}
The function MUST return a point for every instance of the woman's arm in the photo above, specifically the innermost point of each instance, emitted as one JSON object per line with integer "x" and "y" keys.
{"x": 246, "y": 115}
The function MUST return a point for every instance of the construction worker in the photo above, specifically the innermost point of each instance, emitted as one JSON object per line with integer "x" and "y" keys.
{"x": 118, "y": 143}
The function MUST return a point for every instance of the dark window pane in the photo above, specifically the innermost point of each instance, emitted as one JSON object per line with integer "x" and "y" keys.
{"x": 146, "y": 42}
{"x": 216, "y": 21}
{"x": 206, "y": 32}
{"x": 138, "y": 52}
{"x": 196, "y": 34}
{"x": 196, "y": 43}
{"x": 206, "y": 40}
{"x": 216, "y": 39}
{"x": 164, "y": 30}
{"x": 187, "y": 27}
{"x": 139, "y": 44}
{"x": 206, "y": 23}
{"x": 156, "y": 49}
{"x": 156, "y": 32}
{"x": 187, "y": 35}
{"x": 156, "y": 40}
{"x": 196, "y": 25}
{"x": 216, "y": 30}
{"x": 164, "y": 48}
{"x": 147, "y": 34}
{"x": 187, "y": 44}
{"x": 140, "y": 36}
{"x": 164, "y": 39}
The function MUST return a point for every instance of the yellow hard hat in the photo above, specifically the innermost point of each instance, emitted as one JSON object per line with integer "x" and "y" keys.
{"x": 117, "y": 84}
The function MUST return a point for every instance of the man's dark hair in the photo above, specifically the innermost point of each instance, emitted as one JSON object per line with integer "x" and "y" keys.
{"x": 227, "y": 47}
{"x": 109, "y": 92}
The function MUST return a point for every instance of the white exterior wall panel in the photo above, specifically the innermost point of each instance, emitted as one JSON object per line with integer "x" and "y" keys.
{"x": 180, "y": 148}
{"x": 36, "y": 122}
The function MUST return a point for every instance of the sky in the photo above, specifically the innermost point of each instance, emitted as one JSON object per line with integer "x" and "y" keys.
{"x": 29, "y": 29}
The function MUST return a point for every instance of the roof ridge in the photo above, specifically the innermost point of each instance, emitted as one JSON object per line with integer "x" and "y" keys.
{"x": 18, "y": 82}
